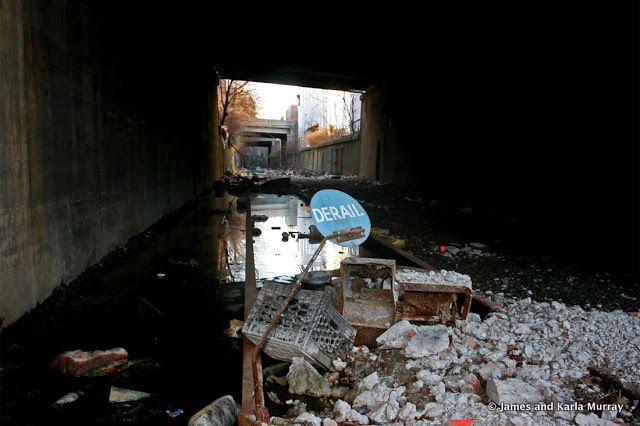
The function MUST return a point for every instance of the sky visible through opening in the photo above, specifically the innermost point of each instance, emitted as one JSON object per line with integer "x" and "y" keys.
{"x": 274, "y": 99}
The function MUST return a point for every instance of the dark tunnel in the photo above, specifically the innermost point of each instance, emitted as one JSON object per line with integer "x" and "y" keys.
{"x": 109, "y": 121}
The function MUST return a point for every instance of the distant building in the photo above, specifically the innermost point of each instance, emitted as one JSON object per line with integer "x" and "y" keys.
{"x": 321, "y": 108}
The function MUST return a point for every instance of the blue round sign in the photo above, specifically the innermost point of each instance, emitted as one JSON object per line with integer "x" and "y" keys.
{"x": 333, "y": 211}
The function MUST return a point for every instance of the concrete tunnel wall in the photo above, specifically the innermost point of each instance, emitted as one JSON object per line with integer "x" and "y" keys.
{"x": 95, "y": 146}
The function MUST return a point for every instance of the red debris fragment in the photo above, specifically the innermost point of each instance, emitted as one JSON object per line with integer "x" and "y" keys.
{"x": 443, "y": 249}
{"x": 97, "y": 363}
{"x": 461, "y": 422}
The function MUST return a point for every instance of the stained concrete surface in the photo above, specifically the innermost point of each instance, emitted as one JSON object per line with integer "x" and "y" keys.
{"x": 91, "y": 151}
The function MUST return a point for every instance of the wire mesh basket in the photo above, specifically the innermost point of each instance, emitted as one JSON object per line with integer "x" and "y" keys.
{"x": 310, "y": 326}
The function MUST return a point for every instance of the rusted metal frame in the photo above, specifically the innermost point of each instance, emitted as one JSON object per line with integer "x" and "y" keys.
{"x": 247, "y": 415}
{"x": 432, "y": 288}
{"x": 261, "y": 412}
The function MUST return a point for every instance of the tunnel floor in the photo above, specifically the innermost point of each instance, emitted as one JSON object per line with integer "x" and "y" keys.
{"x": 167, "y": 296}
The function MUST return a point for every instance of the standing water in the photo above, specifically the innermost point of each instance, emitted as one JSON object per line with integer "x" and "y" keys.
{"x": 168, "y": 306}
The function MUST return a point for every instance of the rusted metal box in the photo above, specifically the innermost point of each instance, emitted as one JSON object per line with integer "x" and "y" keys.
{"x": 367, "y": 297}
{"x": 430, "y": 301}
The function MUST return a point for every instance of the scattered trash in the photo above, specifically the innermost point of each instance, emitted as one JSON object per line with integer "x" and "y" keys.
{"x": 443, "y": 249}
{"x": 221, "y": 412}
{"x": 89, "y": 364}
{"x": 125, "y": 395}
{"x": 176, "y": 413}
{"x": 259, "y": 218}
{"x": 309, "y": 327}
{"x": 380, "y": 231}
{"x": 68, "y": 398}
{"x": 235, "y": 326}
{"x": 399, "y": 243}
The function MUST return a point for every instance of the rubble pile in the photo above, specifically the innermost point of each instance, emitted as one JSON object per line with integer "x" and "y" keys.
{"x": 524, "y": 364}
{"x": 442, "y": 277}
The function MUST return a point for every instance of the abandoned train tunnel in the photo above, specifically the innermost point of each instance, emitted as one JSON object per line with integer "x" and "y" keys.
{"x": 109, "y": 125}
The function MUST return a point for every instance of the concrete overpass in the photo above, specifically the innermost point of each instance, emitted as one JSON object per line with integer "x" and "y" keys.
{"x": 108, "y": 122}
{"x": 286, "y": 132}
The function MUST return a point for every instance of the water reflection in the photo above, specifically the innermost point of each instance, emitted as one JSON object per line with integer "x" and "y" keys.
{"x": 273, "y": 256}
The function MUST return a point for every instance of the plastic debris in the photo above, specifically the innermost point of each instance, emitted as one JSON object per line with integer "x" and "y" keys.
{"x": 176, "y": 413}
{"x": 68, "y": 398}
{"x": 124, "y": 395}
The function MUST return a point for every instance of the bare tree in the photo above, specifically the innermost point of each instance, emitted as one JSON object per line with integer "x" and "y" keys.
{"x": 350, "y": 100}
{"x": 236, "y": 105}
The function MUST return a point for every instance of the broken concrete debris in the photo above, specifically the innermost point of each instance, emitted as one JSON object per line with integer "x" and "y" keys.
{"x": 467, "y": 370}
{"x": 304, "y": 379}
{"x": 512, "y": 391}
{"x": 429, "y": 340}
{"x": 89, "y": 364}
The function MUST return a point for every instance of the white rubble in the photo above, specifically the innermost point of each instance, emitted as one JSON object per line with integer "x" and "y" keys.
{"x": 308, "y": 419}
{"x": 592, "y": 420}
{"x": 397, "y": 336}
{"x": 344, "y": 413}
{"x": 526, "y": 352}
{"x": 339, "y": 364}
{"x": 429, "y": 340}
{"x": 442, "y": 277}
{"x": 512, "y": 391}
{"x": 304, "y": 379}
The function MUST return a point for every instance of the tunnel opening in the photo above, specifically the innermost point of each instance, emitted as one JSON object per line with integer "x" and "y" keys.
{"x": 308, "y": 129}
